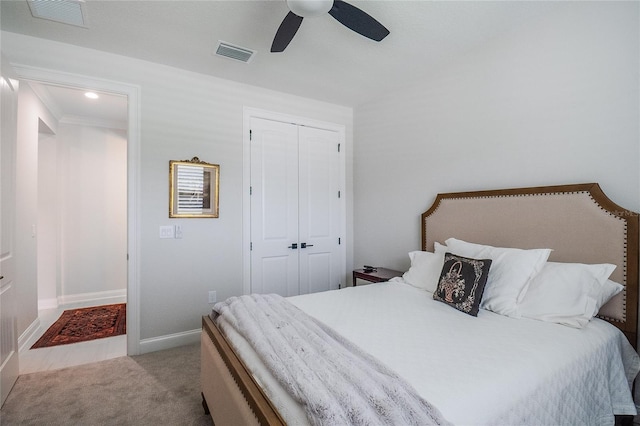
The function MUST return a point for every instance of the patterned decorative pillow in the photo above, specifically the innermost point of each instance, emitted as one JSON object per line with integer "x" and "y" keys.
{"x": 462, "y": 282}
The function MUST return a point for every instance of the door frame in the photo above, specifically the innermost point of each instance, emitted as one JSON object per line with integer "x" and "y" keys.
{"x": 132, "y": 92}
{"x": 248, "y": 114}
{"x": 9, "y": 367}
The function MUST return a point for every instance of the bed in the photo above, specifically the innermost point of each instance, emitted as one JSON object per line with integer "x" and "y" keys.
{"x": 509, "y": 369}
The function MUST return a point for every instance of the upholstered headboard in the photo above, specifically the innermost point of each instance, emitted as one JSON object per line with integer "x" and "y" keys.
{"x": 579, "y": 222}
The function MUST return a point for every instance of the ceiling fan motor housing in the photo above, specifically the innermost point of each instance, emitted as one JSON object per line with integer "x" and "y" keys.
{"x": 309, "y": 8}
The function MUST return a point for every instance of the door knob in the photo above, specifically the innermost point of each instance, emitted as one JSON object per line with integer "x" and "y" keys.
{"x": 305, "y": 245}
{"x": 293, "y": 246}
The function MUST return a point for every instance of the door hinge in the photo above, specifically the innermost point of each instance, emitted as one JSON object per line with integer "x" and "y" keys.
{"x": 339, "y": 241}
{"x": 250, "y": 246}
{"x": 251, "y": 190}
{"x": 338, "y": 194}
{"x": 250, "y": 134}
{"x": 338, "y": 147}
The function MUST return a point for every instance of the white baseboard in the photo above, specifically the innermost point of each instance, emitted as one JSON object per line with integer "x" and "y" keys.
{"x": 26, "y": 336}
{"x": 169, "y": 341}
{"x": 99, "y": 297}
{"x": 47, "y": 304}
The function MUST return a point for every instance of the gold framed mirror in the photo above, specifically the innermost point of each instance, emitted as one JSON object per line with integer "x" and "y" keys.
{"x": 193, "y": 188}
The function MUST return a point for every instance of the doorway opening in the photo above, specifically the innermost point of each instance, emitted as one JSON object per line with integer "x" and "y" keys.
{"x": 81, "y": 228}
{"x": 78, "y": 171}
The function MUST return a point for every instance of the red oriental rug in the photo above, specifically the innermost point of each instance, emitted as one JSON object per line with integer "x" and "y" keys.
{"x": 81, "y": 325}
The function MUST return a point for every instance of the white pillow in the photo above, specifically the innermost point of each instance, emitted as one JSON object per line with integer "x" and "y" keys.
{"x": 511, "y": 271}
{"x": 609, "y": 289}
{"x": 425, "y": 270}
{"x": 439, "y": 248}
{"x": 569, "y": 293}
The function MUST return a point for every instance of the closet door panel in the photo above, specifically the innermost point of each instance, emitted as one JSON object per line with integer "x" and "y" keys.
{"x": 319, "y": 214}
{"x": 274, "y": 207}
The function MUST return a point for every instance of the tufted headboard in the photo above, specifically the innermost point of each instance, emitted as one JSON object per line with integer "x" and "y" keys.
{"x": 579, "y": 222}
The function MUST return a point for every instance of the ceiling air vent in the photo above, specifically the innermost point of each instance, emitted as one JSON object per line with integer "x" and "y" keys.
{"x": 71, "y": 12}
{"x": 234, "y": 52}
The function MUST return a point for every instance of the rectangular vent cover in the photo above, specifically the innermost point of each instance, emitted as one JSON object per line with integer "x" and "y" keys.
{"x": 71, "y": 12}
{"x": 234, "y": 52}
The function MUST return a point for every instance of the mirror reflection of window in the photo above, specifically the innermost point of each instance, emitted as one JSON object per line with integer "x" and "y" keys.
{"x": 193, "y": 184}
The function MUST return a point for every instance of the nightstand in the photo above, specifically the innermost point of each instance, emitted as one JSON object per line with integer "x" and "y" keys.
{"x": 379, "y": 275}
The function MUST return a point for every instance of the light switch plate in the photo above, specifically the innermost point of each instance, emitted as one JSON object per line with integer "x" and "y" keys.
{"x": 167, "y": 231}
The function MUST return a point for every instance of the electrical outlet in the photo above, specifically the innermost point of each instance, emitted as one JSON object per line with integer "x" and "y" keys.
{"x": 213, "y": 297}
{"x": 178, "y": 231}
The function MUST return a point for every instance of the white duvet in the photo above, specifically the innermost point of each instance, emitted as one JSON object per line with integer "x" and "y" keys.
{"x": 485, "y": 370}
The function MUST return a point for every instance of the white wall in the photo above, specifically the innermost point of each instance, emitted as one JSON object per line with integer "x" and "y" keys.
{"x": 183, "y": 115}
{"x": 556, "y": 103}
{"x": 92, "y": 164}
{"x": 48, "y": 240}
{"x": 30, "y": 112}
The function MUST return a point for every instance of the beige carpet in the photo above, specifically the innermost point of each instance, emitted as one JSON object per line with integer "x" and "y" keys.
{"x": 159, "y": 388}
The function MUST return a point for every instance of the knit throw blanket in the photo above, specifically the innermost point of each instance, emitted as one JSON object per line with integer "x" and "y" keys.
{"x": 336, "y": 382}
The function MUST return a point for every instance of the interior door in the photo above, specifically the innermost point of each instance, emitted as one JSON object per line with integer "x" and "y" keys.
{"x": 319, "y": 209}
{"x": 295, "y": 208}
{"x": 274, "y": 207}
{"x": 9, "y": 368}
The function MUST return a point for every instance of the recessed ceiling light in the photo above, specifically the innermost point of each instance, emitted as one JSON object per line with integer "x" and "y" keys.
{"x": 91, "y": 95}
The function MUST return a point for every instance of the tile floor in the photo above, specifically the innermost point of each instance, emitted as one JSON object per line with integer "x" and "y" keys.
{"x": 42, "y": 359}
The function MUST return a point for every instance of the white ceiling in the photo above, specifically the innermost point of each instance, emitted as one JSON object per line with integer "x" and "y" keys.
{"x": 72, "y": 106}
{"x": 325, "y": 60}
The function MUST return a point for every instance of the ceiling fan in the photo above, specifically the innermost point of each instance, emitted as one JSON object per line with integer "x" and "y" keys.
{"x": 348, "y": 15}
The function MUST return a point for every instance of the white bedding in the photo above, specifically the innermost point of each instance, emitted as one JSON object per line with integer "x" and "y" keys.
{"x": 486, "y": 370}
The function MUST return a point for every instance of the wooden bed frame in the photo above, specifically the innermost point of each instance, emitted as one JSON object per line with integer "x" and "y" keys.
{"x": 578, "y": 221}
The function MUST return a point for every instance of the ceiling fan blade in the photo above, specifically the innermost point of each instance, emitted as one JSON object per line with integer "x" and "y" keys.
{"x": 288, "y": 28}
{"x": 358, "y": 21}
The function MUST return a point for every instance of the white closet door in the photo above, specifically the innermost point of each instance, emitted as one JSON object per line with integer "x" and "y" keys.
{"x": 274, "y": 207}
{"x": 8, "y": 300}
{"x": 319, "y": 209}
